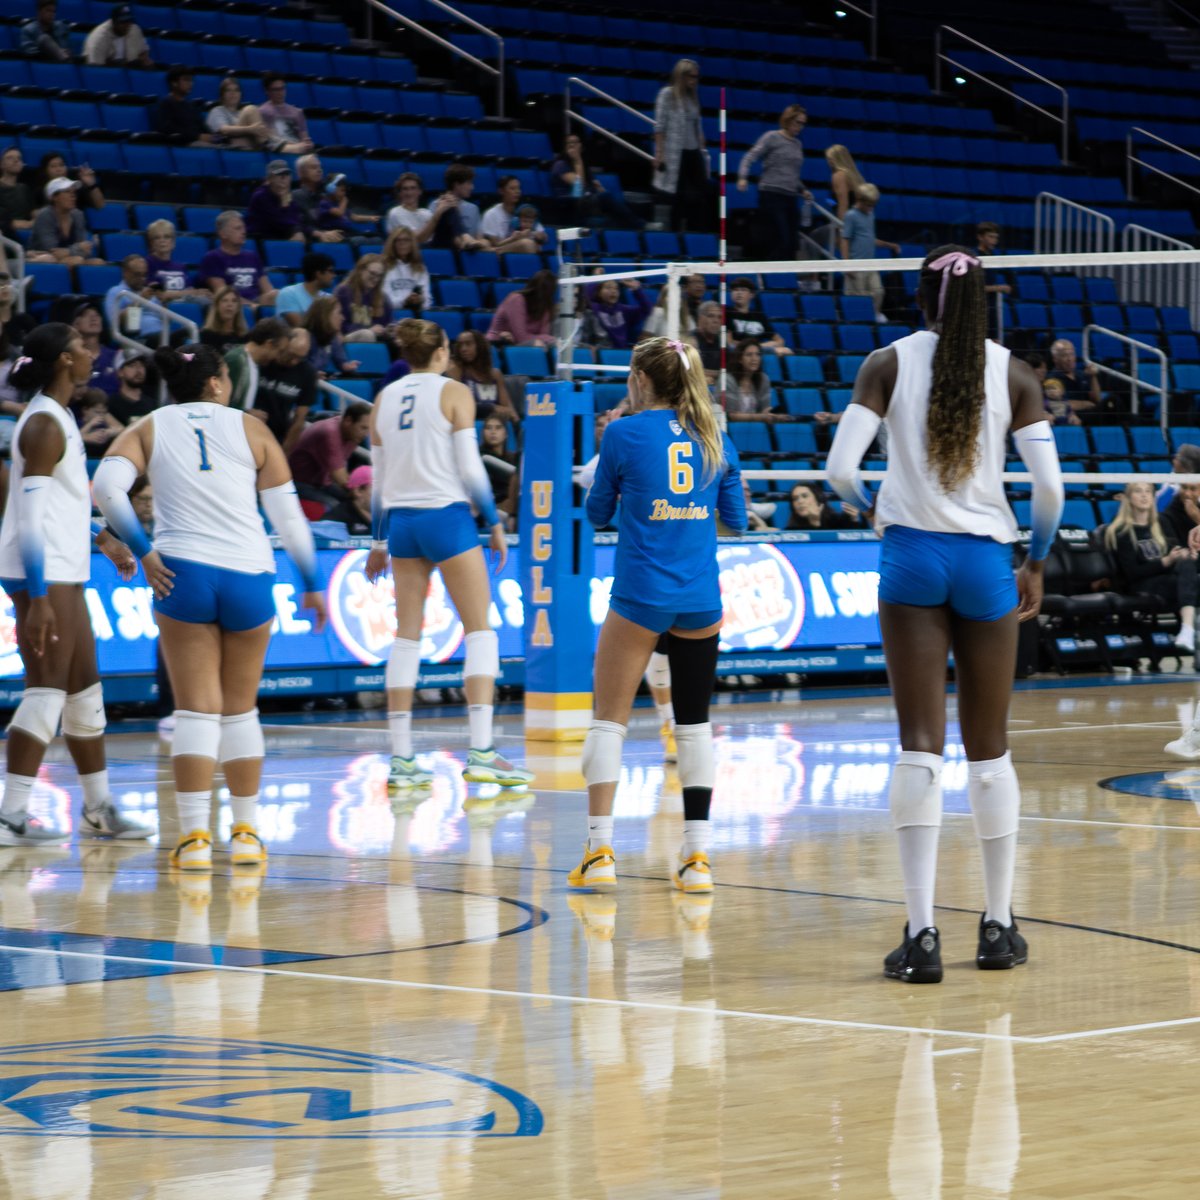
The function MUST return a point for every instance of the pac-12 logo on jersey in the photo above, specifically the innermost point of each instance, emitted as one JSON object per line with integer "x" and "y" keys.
{"x": 363, "y": 614}
{"x": 762, "y": 597}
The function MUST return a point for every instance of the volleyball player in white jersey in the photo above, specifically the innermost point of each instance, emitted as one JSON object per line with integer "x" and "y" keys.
{"x": 213, "y": 574}
{"x": 427, "y": 474}
{"x": 949, "y": 399}
{"x": 45, "y": 560}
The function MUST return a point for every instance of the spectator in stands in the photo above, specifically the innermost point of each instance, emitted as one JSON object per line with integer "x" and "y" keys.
{"x": 121, "y": 311}
{"x": 609, "y": 323}
{"x": 499, "y": 461}
{"x": 287, "y": 390}
{"x": 176, "y": 116}
{"x": 365, "y": 307}
{"x": 97, "y": 426}
{"x": 272, "y": 212}
{"x": 231, "y": 264}
{"x": 1055, "y": 402}
{"x": 570, "y": 178}
{"x": 1185, "y": 461}
{"x": 987, "y": 238}
{"x": 265, "y": 342}
{"x": 319, "y": 460}
{"x": 225, "y": 323}
{"x": 1182, "y": 514}
{"x": 141, "y": 497}
{"x": 810, "y": 509}
{"x": 499, "y": 225}
{"x": 308, "y": 194}
{"x": 859, "y": 241}
{"x": 408, "y": 211}
{"x": 779, "y": 184}
{"x": 294, "y": 301}
{"x": 680, "y": 158}
{"x": 163, "y": 272}
{"x": 758, "y": 516}
{"x": 334, "y": 215}
{"x": 471, "y": 364}
{"x": 355, "y": 510}
{"x": 455, "y": 217}
{"x": 117, "y": 42}
{"x": 1037, "y": 364}
{"x": 14, "y": 326}
{"x": 285, "y": 122}
{"x": 132, "y": 400}
{"x": 406, "y": 282}
{"x": 748, "y": 396}
{"x": 706, "y": 337}
{"x": 233, "y": 124}
{"x": 54, "y": 166}
{"x": 88, "y": 322}
{"x": 1151, "y": 561}
{"x": 16, "y": 203}
{"x": 526, "y": 318}
{"x": 1082, "y": 388}
{"x": 692, "y": 290}
{"x": 46, "y": 37}
{"x": 747, "y": 320}
{"x": 327, "y": 354}
{"x": 844, "y": 179}
{"x": 59, "y": 233}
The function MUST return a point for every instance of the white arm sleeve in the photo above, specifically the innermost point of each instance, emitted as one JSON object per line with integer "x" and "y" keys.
{"x": 1035, "y": 445}
{"x": 282, "y": 506}
{"x": 378, "y": 516}
{"x": 110, "y": 487}
{"x": 855, "y": 433}
{"x": 470, "y": 469}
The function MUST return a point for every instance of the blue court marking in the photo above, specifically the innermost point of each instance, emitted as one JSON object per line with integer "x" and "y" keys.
{"x": 1183, "y": 783}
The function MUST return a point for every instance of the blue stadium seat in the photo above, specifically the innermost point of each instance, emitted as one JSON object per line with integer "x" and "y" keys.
{"x": 1066, "y": 316}
{"x": 795, "y": 439}
{"x": 117, "y": 245}
{"x": 622, "y": 242}
{"x": 803, "y": 402}
{"x": 146, "y": 158}
{"x": 49, "y": 279}
{"x": 440, "y": 263}
{"x": 1147, "y": 440}
{"x": 750, "y": 438}
{"x": 452, "y": 322}
{"x": 1078, "y": 514}
{"x": 608, "y": 395}
{"x": 459, "y": 293}
{"x": 1067, "y": 289}
{"x": 847, "y": 366}
{"x": 1175, "y": 320}
{"x": 818, "y": 308}
{"x": 95, "y": 281}
{"x": 189, "y": 249}
{"x": 771, "y": 368}
{"x": 858, "y": 338}
{"x": 144, "y": 214}
{"x": 661, "y": 244}
{"x": 814, "y": 337}
{"x": 779, "y": 306}
{"x": 1109, "y": 441}
{"x": 283, "y": 254}
{"x": 190, "y": 310}
{"x": 521, "y": 266}
{"x": 803, "y": 368}
{"x": 373, "y": 357}
{"x": 111, "y": 218}
{"x": 857, "y": 308}
{"x": 1071, "y": 440}
{"x": 527, "y": 360}
{"x": 200, "y": 220}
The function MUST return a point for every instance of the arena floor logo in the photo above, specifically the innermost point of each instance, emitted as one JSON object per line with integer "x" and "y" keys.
{"x": 363, "y": 614}
{"x": 762, "y": 597}
{"x": 221, "y": 1089}
{"x": 1182, "y": 784}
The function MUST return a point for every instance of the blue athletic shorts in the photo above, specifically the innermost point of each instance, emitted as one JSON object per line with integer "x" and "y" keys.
{"x": 433, "y": 533}
{"x": 204, "y": 595}
{"x": 659, "y": 620}
{"x": 973, "y": 575}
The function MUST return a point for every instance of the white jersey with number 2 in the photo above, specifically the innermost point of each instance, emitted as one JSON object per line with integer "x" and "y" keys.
{"x": 205, "y": 486}
{"x": 420, "y": 470}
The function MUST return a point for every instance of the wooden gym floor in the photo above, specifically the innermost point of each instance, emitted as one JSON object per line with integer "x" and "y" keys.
{"x": 409, "y": 1003}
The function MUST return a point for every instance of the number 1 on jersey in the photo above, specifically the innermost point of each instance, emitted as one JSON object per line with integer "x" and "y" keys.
{"x": 682, "y": 476}
{"x": 205, "y": 465}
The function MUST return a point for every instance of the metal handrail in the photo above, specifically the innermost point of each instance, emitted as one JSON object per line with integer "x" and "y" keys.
{"x": 1071, "y": 223}
{"x": 1174, "y": 284}
{"x": 1134, "y": 345}
{"x": 340, "y": 394}
{"x": 1130, "y": 159}
{"x": 1191, "y": 16}
{"x": 417, "y": 27}
{"x": 939, "y": 58}
{"x": 872, "y": 16}
{"x": 569, "y": 115}
{"x": 20, "y": 280}
{"x": 122, "y": 339}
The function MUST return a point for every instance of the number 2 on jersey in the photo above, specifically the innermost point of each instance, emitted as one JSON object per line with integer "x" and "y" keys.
{"x": 406, "y": 410}
{"x": 205, "y": 465}
{"x": 682, "y": 476}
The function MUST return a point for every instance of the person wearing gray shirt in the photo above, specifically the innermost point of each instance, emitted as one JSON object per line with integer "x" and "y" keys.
{"x": 779, "y": 184}
{"x": 859, "y": 241}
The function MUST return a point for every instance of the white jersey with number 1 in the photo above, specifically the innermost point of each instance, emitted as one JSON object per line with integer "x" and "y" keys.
{"x": 205, "y": 485}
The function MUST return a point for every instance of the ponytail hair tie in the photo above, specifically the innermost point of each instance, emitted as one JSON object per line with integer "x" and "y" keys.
{"x": 681, "y": 350}
{"x": 186, "y": 357}
{"x": 21, "y": 362}
{"x": 957, "y": 262}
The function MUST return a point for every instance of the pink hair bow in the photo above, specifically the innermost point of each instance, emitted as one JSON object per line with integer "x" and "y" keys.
{"x": 186, "y": 357}
{"x": 681, "y": 350}
{"x": 957, "y": 262}
{"x": 21, "y": 362}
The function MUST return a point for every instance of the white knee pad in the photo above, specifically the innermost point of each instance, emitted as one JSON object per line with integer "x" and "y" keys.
{"x": 483, "y": 654}
{"x": 404, "y": 661}
{"x": 995, "y": 797}
{"x": 38, "y": 713}
{"x": 602, "y": 752}
{"x": 697, "y": 764}
{"x": 241, "y": 737}
{"x": 83, "y": 714}
{"x": 658, "y": 673}
{"x": 915, "y": 793}
{"x": 197, "y": 734}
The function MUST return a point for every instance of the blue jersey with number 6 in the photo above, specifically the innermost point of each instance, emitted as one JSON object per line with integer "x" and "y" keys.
{"x": 667, "y": 543}
{"x": 205, "y": 485}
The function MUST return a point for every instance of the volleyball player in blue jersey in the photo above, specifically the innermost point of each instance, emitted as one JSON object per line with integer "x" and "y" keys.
{"x": 672, "y": 470}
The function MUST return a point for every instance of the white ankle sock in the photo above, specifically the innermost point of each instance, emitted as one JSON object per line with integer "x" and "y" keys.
{"x": 479, "y": 717}
{"x": 95, "y": 789}
{"x": 244, "y": 808}
{"x": 914, "y": 797}
{"x": 194, "y": 811}
{"x": 600, "y": 832}
{"x": 695, "y": 838}
{"x": 666, "y": 712}
{"x": 995, "y": 797}
{"x": 400, "y": 728}
{"x": 16, "y": 795}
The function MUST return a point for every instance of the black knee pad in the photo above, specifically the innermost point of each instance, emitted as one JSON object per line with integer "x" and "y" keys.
{"x": 693, "y": 672}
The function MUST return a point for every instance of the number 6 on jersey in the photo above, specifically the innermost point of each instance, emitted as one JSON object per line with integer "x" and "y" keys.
{"x": 682, "y": 477}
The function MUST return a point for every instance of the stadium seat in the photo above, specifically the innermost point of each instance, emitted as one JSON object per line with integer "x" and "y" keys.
{"x": 803, "y": 402}
{"x": 803, "y": 368}
{"x": 95, "y": 281}
{"x": 373, "y": 357}
{"x": 527, "y": 360}
{"x": 795, "y": 439}
{"x": 49, "y": 279}
{"x": 1071, "y": 440}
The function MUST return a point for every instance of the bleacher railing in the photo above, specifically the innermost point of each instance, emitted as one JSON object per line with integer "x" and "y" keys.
{"x": 342, "y": 396}
{"x": 939, "y": 57}
{"x": 1176, "y": 286}
{"x": 1137, "y": 385}
{"x": 872, "y": 16}
{"x": 569, "y": 115}
{"x": 1060, "y": 226}
{"x": 497, "y": 71}
{"x": 14, "y": 252}
{"x": 1131, "y": 160}
{"x": 168, "y": 318}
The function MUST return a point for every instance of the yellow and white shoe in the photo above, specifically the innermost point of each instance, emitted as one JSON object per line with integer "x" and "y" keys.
{"x": 693, "y": 875}
{"x": 597, "y": 914}
{"x": 246, "y": 848}
{"x": 597, "y": 871}
{"x": 667, "y": 733}
{"x": 193, "y": 852}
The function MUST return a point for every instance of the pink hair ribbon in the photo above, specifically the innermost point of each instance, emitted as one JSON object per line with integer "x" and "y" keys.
{"x": 957, "y": 262}
{"x": 21, "y": 362}
{"x": 186, "y": 357}
{"x": 681, "y": 350}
